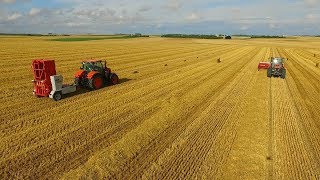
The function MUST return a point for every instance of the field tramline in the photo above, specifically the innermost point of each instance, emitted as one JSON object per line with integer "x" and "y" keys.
{"x": 177, "y": 113}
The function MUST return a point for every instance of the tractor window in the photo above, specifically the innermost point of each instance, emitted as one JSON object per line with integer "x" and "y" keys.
{"x": 99, "y": 65}
{"x": 277, "y": 61}
{"x": 87, "y": 66}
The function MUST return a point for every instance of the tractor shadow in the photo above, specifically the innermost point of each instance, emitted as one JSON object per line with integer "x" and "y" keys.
{"x": 123, "y": 80}
{"x": 85, "y": 90}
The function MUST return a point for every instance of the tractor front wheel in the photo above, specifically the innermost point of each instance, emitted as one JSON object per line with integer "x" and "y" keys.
{"x": 283, "y": 74}
{"x": 96, "y": 82}
{"x": 269, "y": 72}
{"x": 77, "y": 82}
{"x": 114, "y": 79}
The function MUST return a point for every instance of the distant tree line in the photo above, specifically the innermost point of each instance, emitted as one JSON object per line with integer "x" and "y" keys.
{"x": 138, "y": 35}
{"x": 258, "y": 36}
{"x": 264, "y": 36}
{"x": 50, "y": 34}
{"x": 196, "y": 36}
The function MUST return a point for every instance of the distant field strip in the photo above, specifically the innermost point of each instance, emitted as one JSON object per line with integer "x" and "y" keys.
{"x": 73, "y": 39}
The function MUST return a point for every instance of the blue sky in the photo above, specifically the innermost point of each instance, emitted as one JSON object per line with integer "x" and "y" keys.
{"x": 285, "y": 17}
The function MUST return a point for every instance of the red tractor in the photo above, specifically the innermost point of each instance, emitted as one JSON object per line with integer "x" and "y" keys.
{"x": 277, "y": 68}
{"x": 95, "y": 75}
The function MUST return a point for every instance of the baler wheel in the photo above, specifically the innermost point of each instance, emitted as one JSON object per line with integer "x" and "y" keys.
{"x": 57, "y": 96}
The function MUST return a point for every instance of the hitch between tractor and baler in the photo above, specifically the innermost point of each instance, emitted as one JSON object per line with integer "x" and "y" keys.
{"x": 59, "y": 89}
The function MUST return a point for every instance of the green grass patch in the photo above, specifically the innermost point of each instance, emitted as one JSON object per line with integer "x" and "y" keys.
{"x": 73, "y": 39}
{"x": 258, "y": 36}
{"x": 195, "y": 36}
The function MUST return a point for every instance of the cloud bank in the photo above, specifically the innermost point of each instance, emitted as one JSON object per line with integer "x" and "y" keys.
{"x": 159, "y": 17}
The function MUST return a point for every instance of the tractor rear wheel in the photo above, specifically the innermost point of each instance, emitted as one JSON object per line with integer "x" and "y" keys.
{"x": 269, "y": 72}
{"x": 96, "y": 82}
{"x": 283, "y": 74}
{"x": 114, "y": 79}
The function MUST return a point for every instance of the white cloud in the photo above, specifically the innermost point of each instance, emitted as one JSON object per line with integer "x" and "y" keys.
{"x": 272, "y": 26}
{"x": 313, "y": 18}
{"x": 14, "y": 16}
{"x": 244, "y": 28}
{"x": 34, "y": 11}
{"x": 312, "y": 2}
{"x": 12, "y": 1}
{"x": 7, "y": 1}
{"x": 174, "y": 5}
{"x": 145, "y": 8}
{"x": 170, "y": 15}
{"x": 236, "y": 10}
{"x": 193, "y": 17}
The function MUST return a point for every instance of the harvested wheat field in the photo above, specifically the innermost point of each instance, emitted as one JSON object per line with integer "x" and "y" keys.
{"x": 176, "y": 114}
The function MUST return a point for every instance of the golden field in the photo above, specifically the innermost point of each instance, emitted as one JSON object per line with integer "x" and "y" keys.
{"x": 177, "y": 113}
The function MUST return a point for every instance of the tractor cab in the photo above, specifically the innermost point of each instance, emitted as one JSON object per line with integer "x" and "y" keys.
{"x": 277, "y": 62}
{"x": 89, "y": 66}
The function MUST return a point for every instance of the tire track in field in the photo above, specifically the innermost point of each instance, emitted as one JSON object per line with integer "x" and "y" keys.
{"x": 271, "y": 135}
{"x": 308, "y": 55}
{"x": 313, "y": 81}
{"x": 192, "y": 85}
{"x": 247, "y": 155}
{"x": 292, "y": 157}
{"x": 151, "y": 78}
{"x": 218, "y": 129}
{"x": 78, "y": 49}
{"x": 310, "y": 133}
{"x": 203, "y": 80}
{"x": 174, "y": 58}
{"x": 308, "y": 85}
{"x": 271, "y": 127}
{"x": 61, "y": 69}
{"x": 63, "y": 65}
{"x": 213, "y": 131}
{"x": 9, "y": 116}
{"x": 150, "y": 93}
{"x": 134, "y": 59}
{"x": 138, "y": 90}
{"x": 309, "y": 73}
{"x": 84, "y": 98}
{"x": 161, "y": 148}
{"x": 180, "y": 79}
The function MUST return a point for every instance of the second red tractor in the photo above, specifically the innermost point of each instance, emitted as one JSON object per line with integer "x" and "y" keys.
{"x": 276, "y": 68}
{"x": 95, "y": 75}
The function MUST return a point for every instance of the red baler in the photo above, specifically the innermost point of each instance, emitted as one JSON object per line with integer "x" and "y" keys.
{"x": 47, "y": 83}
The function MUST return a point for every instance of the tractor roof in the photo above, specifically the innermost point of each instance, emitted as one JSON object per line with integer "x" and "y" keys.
{"x": 92, "y": 61}
{"x": 277, "y": 58}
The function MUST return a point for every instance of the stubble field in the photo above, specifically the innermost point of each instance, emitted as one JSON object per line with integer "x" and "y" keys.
{"x": 177, "y": 113}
